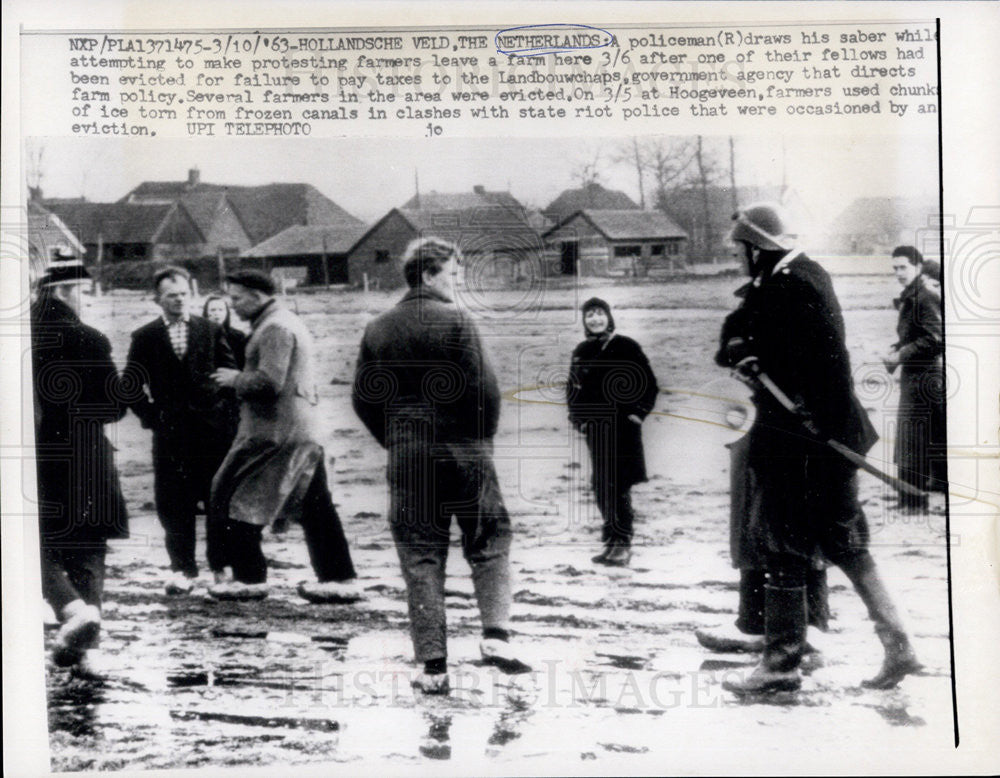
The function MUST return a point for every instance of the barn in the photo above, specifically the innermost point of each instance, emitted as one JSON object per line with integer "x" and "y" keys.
{"x": 491, "y": 229}
{"x": 308, "y": 255}
{"x": 603, "y": 242}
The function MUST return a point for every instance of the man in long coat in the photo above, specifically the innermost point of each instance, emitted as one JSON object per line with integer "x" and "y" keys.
{"x": 920, "y": 450}
{"x": 791, "y": 329}
{"x": 173, "y": 358}
{"x": 80, "y": 506}
{"x": 275, "y": 467}
{"x": 425, "y": 389}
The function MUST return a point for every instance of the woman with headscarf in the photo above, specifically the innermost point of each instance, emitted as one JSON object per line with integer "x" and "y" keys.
{"x": 611, "y": 389}
{"x": 216, "y": 310}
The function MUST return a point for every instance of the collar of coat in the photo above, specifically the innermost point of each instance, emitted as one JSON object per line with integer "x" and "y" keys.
{"x": 780, "y": 266}
{"x": 425, "y": 293}
{"x": 185, "y": 317}
{"x": 910, "y": 290}
{"x": 51, "y": 309}
{"x": 270, "y": 307}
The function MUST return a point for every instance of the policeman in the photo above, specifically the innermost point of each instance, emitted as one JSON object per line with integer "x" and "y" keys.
{"x": 791, "y": 329}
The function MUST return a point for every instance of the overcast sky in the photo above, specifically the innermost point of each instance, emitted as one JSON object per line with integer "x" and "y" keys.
{"x": 367, "y": 177}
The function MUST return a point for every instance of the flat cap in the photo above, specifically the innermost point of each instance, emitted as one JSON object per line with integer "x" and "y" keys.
{"x": 253, "y": 279}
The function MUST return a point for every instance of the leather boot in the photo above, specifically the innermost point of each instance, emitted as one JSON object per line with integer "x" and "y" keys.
{"x": 784, "y": 642}
{"x": 900, "y": 659}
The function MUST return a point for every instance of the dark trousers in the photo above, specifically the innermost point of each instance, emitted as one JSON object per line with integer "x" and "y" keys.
{"x": 70, "y": 574}
{"x": 238, "y": 544}
{"x": 615, "y": 505}
{"x": 614, "y": 466}
{"x": 428, "y": 486}
{"x": 182, "y": 476}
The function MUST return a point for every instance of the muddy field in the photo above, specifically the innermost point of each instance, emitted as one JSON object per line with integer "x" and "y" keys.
{"x": 620, "y": 683}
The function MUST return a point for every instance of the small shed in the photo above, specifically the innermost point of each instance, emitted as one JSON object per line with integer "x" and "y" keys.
{"x": 301, "y": 252}
{"x": 596, "y": 242}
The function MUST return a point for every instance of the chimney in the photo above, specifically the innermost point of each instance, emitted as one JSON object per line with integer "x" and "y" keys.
{"x": 479, "y": 189}
{"x": 194, "y": 177}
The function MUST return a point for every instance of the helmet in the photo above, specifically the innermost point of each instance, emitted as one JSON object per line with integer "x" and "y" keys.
{"x": 763, "y": 225}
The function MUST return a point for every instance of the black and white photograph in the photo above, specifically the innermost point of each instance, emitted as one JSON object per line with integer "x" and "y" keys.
{"x": 632, "y": 446}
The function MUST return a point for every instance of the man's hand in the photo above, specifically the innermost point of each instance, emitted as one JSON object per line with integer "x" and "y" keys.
{"x": 634, "y": 419}
{"x": 746, "y": 370}
{"x": 225, "y": 376}
{"x": 891, "y": 361}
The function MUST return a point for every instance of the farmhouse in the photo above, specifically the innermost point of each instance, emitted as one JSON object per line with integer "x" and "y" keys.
{"x": 309, "y": 255}
{"x": 593, "y": 196}
{"x": 594, "y": 242}
{"x": 491, "y": 229}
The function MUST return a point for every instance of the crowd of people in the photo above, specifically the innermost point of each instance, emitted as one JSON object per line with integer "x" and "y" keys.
{"x": 231, "y": 417}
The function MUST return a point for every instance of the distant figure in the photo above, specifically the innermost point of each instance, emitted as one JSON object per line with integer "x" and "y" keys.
{"x": 275, "y": 467}
{"x": 425, "y": 389}
{"x": 789, "y": 334}
{"x": 919, "y": 353}
{"x": 216, "y": 310}
{"x": 80, "y": 506}
{"x": 610, "y": 391}
{"x": 173, "y": 358}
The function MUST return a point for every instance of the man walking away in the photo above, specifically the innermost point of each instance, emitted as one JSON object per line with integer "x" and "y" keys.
{"x": 426, "y": 391}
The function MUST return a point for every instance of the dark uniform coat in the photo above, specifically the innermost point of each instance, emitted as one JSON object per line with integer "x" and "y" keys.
{"x": 77, "y": 392}
{"x": 920, "y": 436}
{"x": 804, "y": 494}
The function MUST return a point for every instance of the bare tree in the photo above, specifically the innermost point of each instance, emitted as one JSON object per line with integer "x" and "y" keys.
{"x": 35, "y": 167}
{"x": 634, "y": 153}
{"x": 588, "y": 173}
{"x": 667, "y": 160}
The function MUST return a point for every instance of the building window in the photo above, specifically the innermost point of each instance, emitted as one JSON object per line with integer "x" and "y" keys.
{"x": 628, "y": 251}
{"x": 381, "y": 255}
{"x": 656, "y": 250}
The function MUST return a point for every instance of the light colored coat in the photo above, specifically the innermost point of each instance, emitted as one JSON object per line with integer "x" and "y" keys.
{"x": 274, "y": 456}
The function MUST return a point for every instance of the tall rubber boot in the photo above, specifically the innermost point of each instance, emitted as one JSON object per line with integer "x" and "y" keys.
{"x": 784, "y": 644}
{"x": 900, "y": 659}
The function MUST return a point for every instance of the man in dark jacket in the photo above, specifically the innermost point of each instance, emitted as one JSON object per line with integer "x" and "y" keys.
{"x": 173, "y": 358}
{"x": 426, "y": 391}
{"x": 790, "y": 328}
{"x": 919, "y": 353}
{"x": 80, "y": 505}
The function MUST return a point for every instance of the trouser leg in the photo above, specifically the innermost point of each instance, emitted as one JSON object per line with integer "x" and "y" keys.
{"x": 216, "y": 542}
{"x": 818, "y": 598}
{"x": 176, "y": 499}
{"x": 420, "y": 531}
{"x": 245, "y": 554}
{"x": 57, "y": 589}
{"x": 328, "y": 549}
{"x": 615, "y": 505}
{"x": 486, "y": 538}
{"x": 423, "y": 564}
{"x": 750, "y": 618}
{"x": 215, "y": 526}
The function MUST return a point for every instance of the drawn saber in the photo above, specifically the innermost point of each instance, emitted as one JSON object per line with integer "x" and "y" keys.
{"x": 759, "y": 376}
